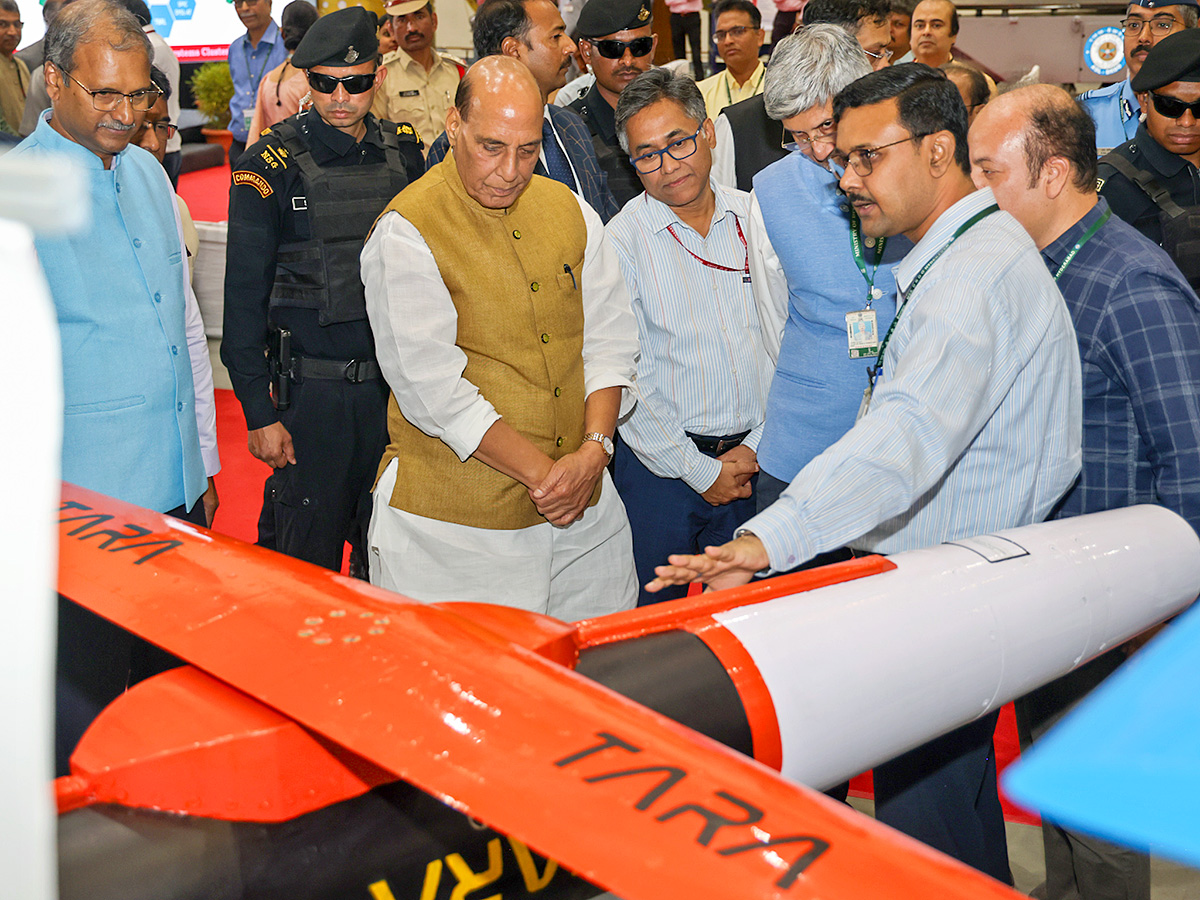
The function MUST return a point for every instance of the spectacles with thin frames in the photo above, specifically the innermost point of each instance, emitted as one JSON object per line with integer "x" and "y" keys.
{"x": 826, "y": 133}
{"x": 736, "y": 32}
{"x": 678, "y": 150}
{"x": 885, "y": 53}
{"x": 1163, "y": 25}
{"x": 863, "y": 160}
{"x": 108, "y": 100}
{"x": 166, "y": 130}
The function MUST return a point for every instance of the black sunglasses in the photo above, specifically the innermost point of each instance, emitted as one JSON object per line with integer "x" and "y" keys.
{"x": 1173, "y": 107}
{"x": 327, "y": 84}
{"x": 616, "y": 49}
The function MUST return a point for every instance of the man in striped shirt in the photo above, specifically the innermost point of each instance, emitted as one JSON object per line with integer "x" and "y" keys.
{"x": 971, "y": 425}
{"x": 685, "y": 464}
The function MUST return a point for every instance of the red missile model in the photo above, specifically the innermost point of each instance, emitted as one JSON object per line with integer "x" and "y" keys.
{"x": 294, "y": 756}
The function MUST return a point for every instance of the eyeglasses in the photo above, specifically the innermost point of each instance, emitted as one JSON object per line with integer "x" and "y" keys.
{"x": 863, "y": 161}
{"x": 165, "y": 130}
{"x": 736, "y": 32}
{"x": 354, "y": 84}
{"x": 1161, "y": 25}
{"x": 616, "y": 49}
{"x": 107, "y": 101}
{"x": 1173, "y": 107}
{"x": 677, "y": 150}
{"x": 885, "y": 53}
{"x": 825, "y": 133}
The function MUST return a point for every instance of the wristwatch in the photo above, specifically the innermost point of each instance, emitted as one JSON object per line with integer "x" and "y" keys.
{"x": 603, "y": 440}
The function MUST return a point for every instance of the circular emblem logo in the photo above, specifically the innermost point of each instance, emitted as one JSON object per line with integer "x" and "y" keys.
{"x": 1104, "y": 51}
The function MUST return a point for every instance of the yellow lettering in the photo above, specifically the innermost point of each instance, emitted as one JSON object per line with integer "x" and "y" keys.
{"x": 433, "y": 877}
{"x": 381, "y": 891}
{"x": 469, "y": 880}
{"x": 533, "y": 881}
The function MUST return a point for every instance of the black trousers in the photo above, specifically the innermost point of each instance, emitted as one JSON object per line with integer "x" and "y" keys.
{"x": 311, "y": 509}
{"x": 685, "y": 27}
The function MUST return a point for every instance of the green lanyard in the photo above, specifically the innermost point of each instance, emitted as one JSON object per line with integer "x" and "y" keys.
{"x": 729, "y": 93}
{"x": 856, "y": 245}
{"x": 1087, "y": 236}
{"x": 873, "y": 372}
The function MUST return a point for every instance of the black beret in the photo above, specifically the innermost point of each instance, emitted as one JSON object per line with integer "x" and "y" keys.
{"x": 604, "y": 17}
{"x": 1175, "y": 58}
{"x": 345, "y": 37}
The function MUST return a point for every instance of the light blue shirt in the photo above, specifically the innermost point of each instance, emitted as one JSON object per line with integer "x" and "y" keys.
{"x": 118, "y": 287}
{"x": 806, "y": 238}
{"x": 975, "y": 424}
{"x": 247, "y": 66}
{"x": 1115, "y": 111}
{"x": 703, "y": 368}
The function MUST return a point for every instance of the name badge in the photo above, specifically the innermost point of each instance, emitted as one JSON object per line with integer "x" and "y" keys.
{"x": 410, "y": 94}
{"x": 862, "y": 333}
{"x": 247, "y": 118}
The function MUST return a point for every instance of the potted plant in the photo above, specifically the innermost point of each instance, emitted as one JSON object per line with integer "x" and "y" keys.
{"x": 212, "y": 89}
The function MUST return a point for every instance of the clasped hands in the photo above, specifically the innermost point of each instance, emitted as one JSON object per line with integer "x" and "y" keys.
{"x": 563, "y": 493}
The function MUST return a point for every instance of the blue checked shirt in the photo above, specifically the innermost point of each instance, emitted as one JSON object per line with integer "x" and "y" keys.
{"x": 703, "y": 367}
{"x": 975, "y": 422}
{"x": 1138, "y": 324}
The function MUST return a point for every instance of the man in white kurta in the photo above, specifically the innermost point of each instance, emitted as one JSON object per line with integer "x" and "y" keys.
{"x": 505, "y": 332}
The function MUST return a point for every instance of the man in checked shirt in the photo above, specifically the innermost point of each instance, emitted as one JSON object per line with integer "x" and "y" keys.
{"x": 685, "y": 464}
{"x": 1138, "y": 325}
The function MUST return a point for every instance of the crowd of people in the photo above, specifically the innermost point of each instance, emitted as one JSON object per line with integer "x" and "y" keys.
{"x": 573, "y": 358}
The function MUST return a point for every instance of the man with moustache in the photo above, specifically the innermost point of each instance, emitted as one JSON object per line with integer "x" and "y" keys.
{"x": 14, "y": 74}
{"x": 1115, "y": 108}
{"x": 970, "y": 422}
{"x": 1138, "y": 326}
{"x": 739, "y": 37}
{"x": 421, "y": 82}
{"x": 138, "y": 412}
{"x": 617, "y": 44}
{"x": 1152, "y": 181}
{"x": 532, "y": 32}
{"x": 504, "y": 330}
{"x": 296, "y": 340}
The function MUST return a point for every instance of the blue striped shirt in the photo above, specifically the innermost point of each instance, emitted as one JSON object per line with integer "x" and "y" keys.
{"x": 975, "y": 422}
{"x": 1138, "y": 323}
{"x": 703, "y": 367}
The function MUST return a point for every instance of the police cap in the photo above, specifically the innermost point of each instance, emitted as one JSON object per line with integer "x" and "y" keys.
{"x": 345, "y": 37}
{"x": 603, "y": 17}
{"x": 1175, "y": 58}
{"x": 405, "y": 7}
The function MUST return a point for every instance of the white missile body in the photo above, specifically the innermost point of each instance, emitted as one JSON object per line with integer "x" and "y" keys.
{"x": 862, "y": 671}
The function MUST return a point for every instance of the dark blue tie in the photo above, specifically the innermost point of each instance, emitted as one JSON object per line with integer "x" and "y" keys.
{"x": 556, "y": 161}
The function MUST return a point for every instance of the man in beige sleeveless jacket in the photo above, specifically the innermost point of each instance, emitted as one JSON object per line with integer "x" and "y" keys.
{"x": 505, "y": 332}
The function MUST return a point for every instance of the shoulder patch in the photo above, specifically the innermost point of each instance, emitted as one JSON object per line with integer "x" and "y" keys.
{"x": 407, "y": 131}
{"x": 255, "y": 181}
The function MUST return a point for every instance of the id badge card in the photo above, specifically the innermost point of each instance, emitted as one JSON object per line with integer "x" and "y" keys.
{"x": 862, "y": 333}
{"x": 247, "y": 118}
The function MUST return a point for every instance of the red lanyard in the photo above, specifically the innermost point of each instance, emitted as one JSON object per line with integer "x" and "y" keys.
{"x": 745, "y": 270}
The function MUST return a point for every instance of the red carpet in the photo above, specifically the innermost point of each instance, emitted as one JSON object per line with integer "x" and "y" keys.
{"x": 206, "y": 192}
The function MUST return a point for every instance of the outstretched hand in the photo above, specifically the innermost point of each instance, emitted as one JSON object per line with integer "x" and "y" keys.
{"x": 728, "y": 565}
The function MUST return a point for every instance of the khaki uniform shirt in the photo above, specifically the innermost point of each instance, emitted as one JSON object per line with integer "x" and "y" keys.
{"x": 410, "y": 94}
{"x": 14, "y": 86}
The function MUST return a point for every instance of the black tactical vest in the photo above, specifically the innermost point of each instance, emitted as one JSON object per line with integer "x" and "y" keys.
{"x": 1180, "y": 225}
{"x": 343, "y": 202}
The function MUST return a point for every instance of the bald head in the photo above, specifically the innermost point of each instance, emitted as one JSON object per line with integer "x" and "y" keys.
{"x": 934, "y": 31}
{"x": 1035, "y": 147}
{"x": 495, "y": 130}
